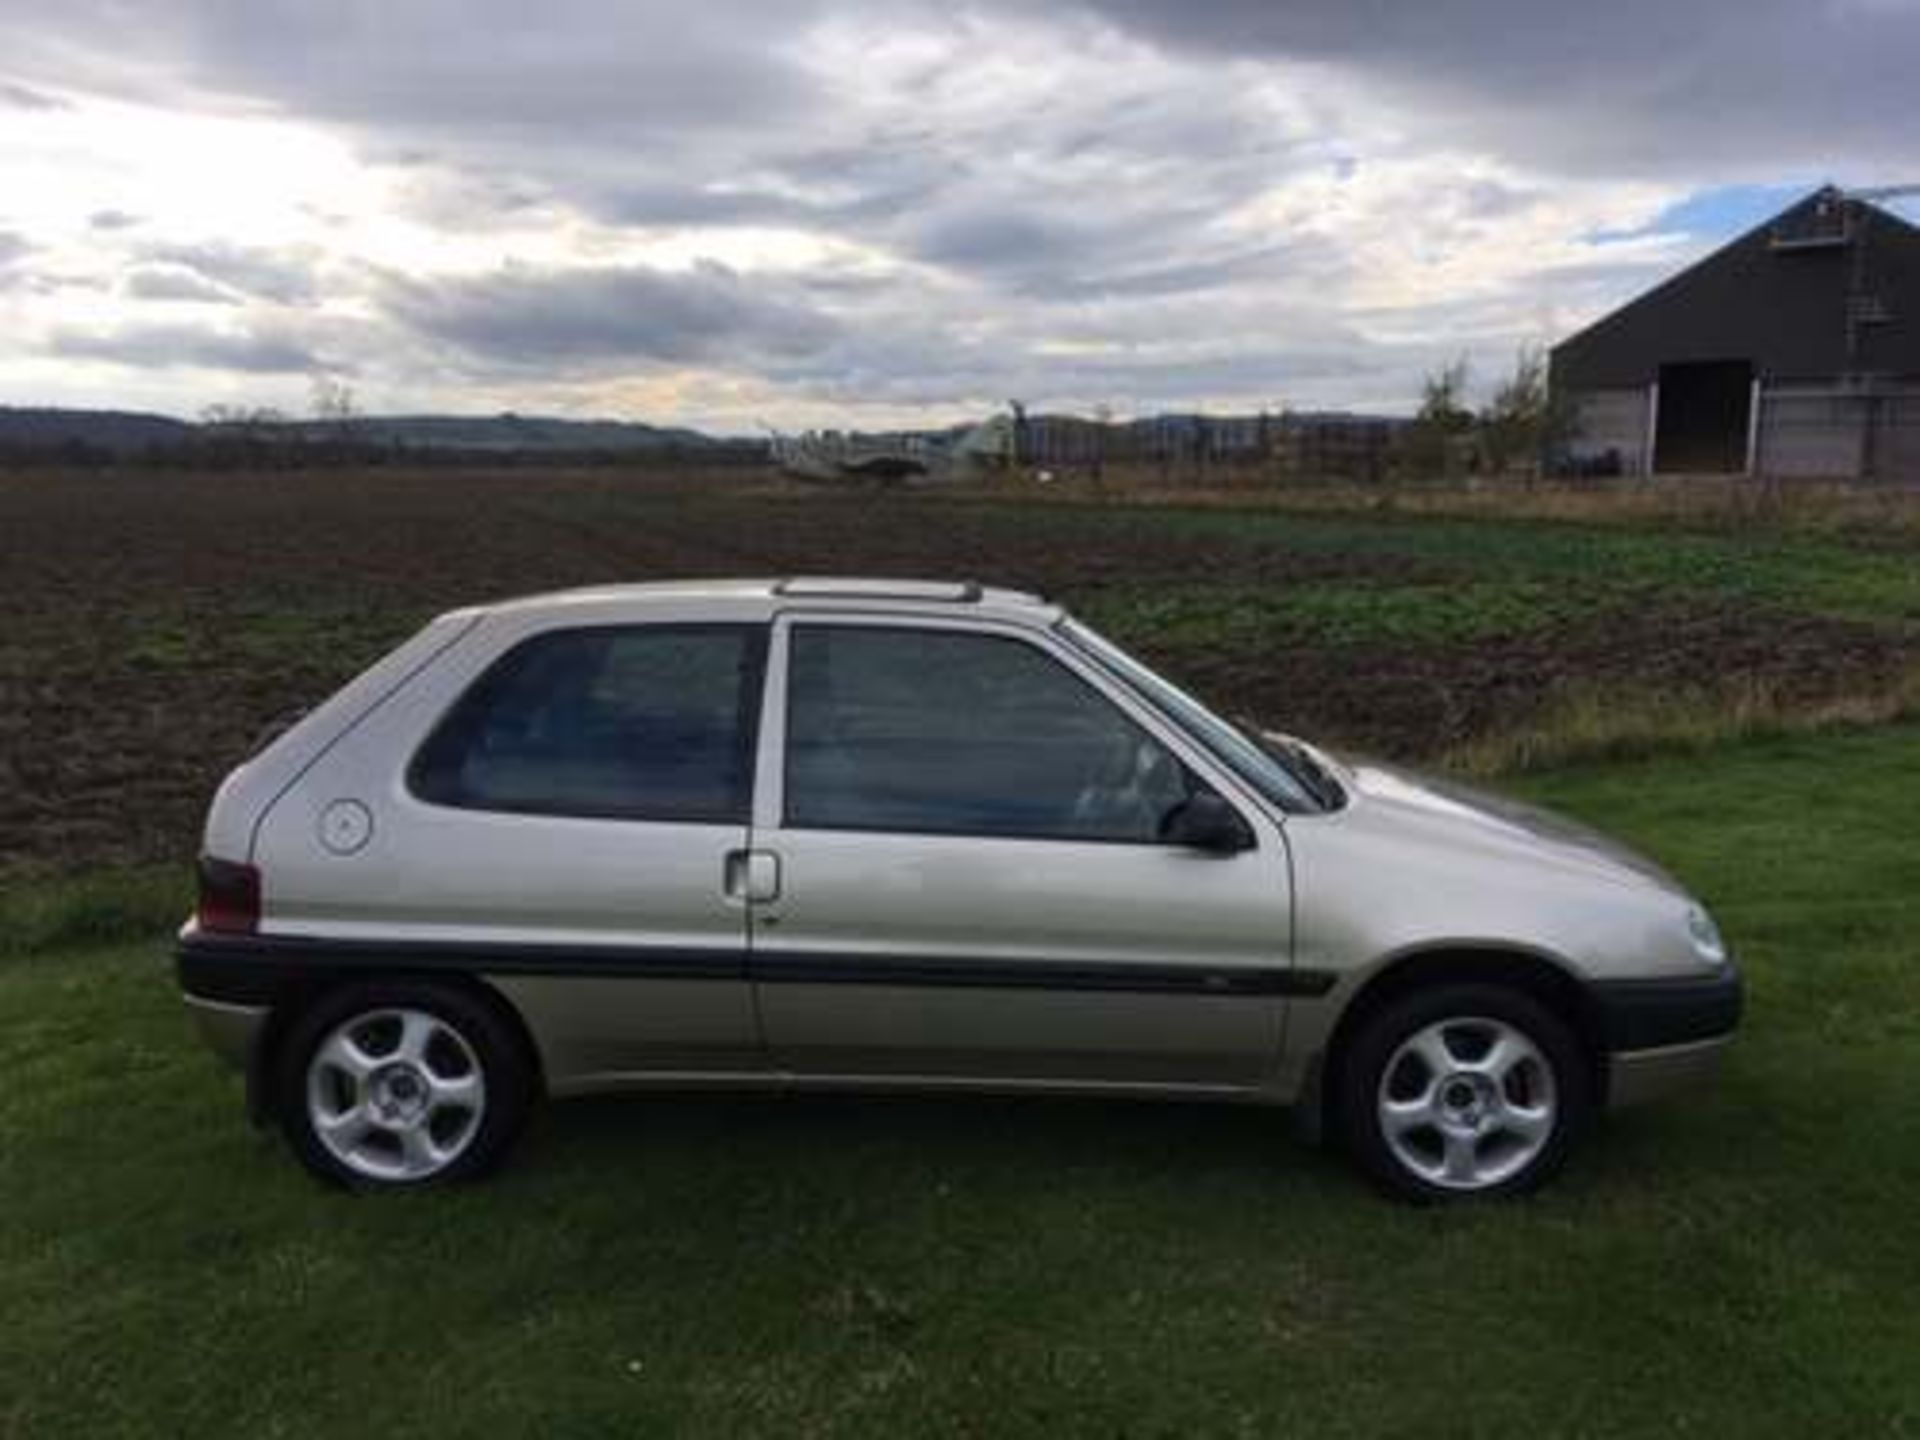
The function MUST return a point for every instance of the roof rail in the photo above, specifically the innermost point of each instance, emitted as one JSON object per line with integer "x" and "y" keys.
{"x": 821, "y": 587}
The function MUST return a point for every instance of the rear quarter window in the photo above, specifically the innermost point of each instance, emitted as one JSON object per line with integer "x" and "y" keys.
{"x": 652, "y": 722}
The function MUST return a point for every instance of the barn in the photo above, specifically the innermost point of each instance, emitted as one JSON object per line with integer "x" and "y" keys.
{"x": 1793, "y": 351}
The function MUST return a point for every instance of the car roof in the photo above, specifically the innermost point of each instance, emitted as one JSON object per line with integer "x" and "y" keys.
{"x": 689, "y": 600}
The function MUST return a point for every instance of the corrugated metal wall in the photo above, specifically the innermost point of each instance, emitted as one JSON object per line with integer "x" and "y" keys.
{"x": 1611, "y": 422}
{"x": 1896, "y": 440}
{"x": 1823, "y": 432}
{"x": 1804, "y": 431}
{"x": 1809, "y": 432}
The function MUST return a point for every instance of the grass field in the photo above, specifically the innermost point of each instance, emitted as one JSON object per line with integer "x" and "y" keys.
{"x": 1744, "y": 1264}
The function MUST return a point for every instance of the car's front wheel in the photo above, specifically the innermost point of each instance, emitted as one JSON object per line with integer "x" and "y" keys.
{"x": 398, "y": 1084}
{"x": 1463, "y": 1090}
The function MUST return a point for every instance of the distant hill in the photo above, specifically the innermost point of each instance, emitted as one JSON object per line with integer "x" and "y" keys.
{"x": 117, "y": 430}
{"x": 125, "y": 432}
{"x": 507, "y": 432}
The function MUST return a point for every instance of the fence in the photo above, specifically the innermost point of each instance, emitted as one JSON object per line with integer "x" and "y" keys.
{"x": 1351, "y": 446}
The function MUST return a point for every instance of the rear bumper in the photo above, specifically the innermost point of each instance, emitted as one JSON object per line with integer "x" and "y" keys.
{"x": 230, "y": 1008}
{"x": 1666, "y": 1035}
{"x": 230, "y": 1031}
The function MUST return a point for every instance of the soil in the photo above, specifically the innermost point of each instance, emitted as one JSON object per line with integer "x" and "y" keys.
{"x": 155, "y": 623}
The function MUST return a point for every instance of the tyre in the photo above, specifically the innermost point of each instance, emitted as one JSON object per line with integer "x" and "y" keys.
{"x": 1460, "y": 1091}
{"x": 397, "y": 1084}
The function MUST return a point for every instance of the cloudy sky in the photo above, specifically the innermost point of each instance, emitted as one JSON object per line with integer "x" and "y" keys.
{"x": 878, "y": 213}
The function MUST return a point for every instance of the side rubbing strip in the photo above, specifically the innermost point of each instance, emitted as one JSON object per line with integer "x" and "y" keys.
{"x": 807, "y": 968}
{"x": 257, "y": 969}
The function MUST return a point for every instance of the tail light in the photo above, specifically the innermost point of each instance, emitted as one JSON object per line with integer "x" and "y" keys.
{"x": 229, "y": 897}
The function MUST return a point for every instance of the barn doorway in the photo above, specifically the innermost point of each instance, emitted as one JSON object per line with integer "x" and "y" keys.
{"x": 1705, "y": 410}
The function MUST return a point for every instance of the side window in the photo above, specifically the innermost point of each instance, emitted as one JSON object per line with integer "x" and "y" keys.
{"x": 636, "y": 723}
{"x": 945, "y": 732}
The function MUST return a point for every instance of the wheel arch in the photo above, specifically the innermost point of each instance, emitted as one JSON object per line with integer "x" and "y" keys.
{"x": 310, "y": 989}
{"x": 1541, "y": 976}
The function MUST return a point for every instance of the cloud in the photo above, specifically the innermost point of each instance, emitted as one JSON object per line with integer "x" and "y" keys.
{"x": 1635, "y": 87}
{"x": 285, "y": 277}
{"x": 622, "y": 315}
{"x": 13, "y": 249}
{"x": 997, "y": 240}
{"x": 111, "y": 219}
{"x": 162, "y": 282}
{"x": 25, "y": 97}
{"x": 448, "y": 66}
{"x": 175, "y": 346}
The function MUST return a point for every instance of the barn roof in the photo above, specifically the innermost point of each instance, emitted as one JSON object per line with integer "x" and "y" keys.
{"x": 1778, "y": 296}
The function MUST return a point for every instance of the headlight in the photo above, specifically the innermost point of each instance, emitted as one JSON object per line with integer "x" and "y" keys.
{"x": 1705, "y": 936}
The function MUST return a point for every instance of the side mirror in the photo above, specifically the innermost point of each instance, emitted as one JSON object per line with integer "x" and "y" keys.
{"x": 1206, "y": 822}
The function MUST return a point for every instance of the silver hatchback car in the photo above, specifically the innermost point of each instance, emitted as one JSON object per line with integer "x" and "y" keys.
{"x": 902, "y": 835}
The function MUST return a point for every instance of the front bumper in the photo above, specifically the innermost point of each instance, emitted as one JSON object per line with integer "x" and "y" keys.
{"x": 1666, "y": 1035}
{"x": 1637, "y": 1076}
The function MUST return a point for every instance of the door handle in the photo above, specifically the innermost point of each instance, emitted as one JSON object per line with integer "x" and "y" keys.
{"x": 752, "y": 876}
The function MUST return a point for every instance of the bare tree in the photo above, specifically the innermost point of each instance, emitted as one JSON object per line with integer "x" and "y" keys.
{"x": 1524, "y": 422}
{"x": 333, "y": 405}
{"x": 234, "y": 435}
{"x": 242, "y": 417}
{"x": 1443, "y": 416}
{"x": 1443, "y": 397}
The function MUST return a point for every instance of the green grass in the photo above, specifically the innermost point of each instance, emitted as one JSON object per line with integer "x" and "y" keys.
{"x": 1747, "y": 1263}
{"x": 1479, "y": 580}
{"x": 324, "y": 635}
{"x": 1791, "y": 570}
{"x": 1239, "y": 616}
{"x": 1582, "y": 722}
{"x": 40, "y": 914}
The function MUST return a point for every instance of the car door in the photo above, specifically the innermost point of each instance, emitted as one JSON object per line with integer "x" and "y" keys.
{"x": 963, "y": 877}
{"x": 563, "y": 821}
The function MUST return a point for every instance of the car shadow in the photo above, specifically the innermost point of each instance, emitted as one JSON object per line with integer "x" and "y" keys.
{"x": 1038, "y": 1133}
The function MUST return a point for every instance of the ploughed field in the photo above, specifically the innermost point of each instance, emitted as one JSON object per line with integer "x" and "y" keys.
{"x": 154, "y": 624}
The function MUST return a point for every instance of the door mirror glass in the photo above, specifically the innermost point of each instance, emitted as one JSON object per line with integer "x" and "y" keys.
{"x": 1207, "y": 822}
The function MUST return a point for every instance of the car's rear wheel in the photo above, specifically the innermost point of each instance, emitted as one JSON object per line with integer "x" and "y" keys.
{"x": 1463, "y": 1090}
{"x": 396, "y": 1084}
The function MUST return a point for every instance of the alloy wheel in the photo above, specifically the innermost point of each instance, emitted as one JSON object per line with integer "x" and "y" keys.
{"x": 395, "y": 1094}
{"x": 1466, "y": 1103}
